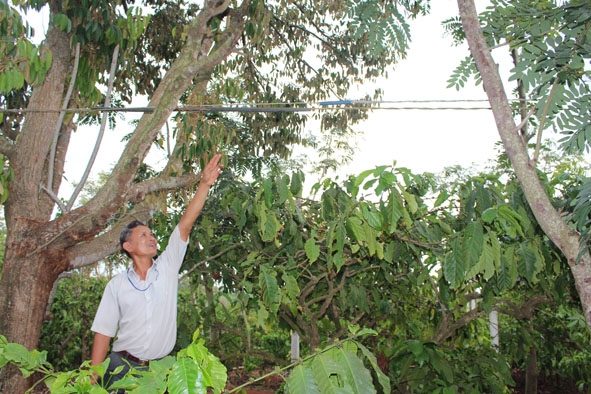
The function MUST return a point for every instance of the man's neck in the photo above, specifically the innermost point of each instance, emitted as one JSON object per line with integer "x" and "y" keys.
{"x": 141, "y": 267}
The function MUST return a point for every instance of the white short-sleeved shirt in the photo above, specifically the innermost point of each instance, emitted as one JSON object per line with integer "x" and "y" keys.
{"x": 142, "y": 314}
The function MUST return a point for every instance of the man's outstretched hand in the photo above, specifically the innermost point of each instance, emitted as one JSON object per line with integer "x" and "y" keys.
{"x": 212, "y": 170}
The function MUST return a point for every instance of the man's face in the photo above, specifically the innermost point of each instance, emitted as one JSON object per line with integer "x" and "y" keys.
{"x": 141, "y": 242}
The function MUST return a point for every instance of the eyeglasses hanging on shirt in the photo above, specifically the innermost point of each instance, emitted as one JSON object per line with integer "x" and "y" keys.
{"x": 151, "y": 274}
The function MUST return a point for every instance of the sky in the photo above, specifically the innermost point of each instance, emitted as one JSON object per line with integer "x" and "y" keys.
{"x": 428, "y": 140}
{"x": 421, "y": 140}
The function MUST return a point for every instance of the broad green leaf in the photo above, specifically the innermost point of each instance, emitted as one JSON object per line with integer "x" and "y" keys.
{"x": 262, "y": 315}
{"x": 510, "y": 221}
{"x": 291, "y": 285}
{"x": 495, "y": 249}
{"x": 373, "y": 218}
{"x": 489, "y": 215}
{"x": 301, "y": 381}
{"x": 454, "y": 269}
{"x": 297, "y": 180}
{"x": 62, "y": 22}
{"x": 268, "y": 192}
{"x": 329, "y": 376}
{"x": 268, "y": 224}
{"x": 329, "y": 207}
{"x": 186, "y": 378}
{"x": 411, "y": 201}
{"x": 394, "y": 211}
{"x": 337, "y": 236}
{"x": 383, "y": 379}
{"x": 357, "y": 374}
{"x": 472, "y": 243}
{"x": 312, "y": 250}
{"x": 441, "y": 198}
{"x": 387, "y": 180}
{"x": 504, "y": 279}
{"x": 487, "y": 261}
{"x": 511, "y": 260}
{"x": 530, "y": 262}
{"x": 371, "y": 238}
{"x": 358, "y": 180}
{"x": 283, "y": 189}
{"x": 290, "y": 292}
{"x": 269, "y": 287}
{"x": 338, "y": 260}
{"x": 27, "y": 361}
{"x": 356, "y": 228}
{"x": 214, "y": 372}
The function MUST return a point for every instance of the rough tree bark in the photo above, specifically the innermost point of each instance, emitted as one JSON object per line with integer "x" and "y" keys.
{"x": 39, "y": 248}
{"x": 564, "y": 237}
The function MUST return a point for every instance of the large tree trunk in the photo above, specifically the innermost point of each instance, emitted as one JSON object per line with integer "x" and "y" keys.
{"x": 28, "y": 280}
{"x": 29, "y": 268}
{"x": 564, "y": 237}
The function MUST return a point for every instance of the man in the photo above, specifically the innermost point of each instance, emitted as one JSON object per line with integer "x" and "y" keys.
{"x": 139, "y": 305}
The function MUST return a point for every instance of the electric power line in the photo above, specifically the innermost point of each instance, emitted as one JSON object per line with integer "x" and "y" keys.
{"x": 277, "y": 107}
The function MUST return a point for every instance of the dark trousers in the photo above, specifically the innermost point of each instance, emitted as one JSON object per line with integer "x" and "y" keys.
{"x": 117, "y": 360}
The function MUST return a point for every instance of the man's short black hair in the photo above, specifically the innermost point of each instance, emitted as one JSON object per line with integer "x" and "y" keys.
{"x": 125, "y": 233}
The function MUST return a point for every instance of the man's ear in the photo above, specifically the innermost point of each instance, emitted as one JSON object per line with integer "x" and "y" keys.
{"x": 127, "y": 246}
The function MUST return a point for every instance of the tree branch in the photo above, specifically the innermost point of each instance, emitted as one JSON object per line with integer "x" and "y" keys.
{"x": 60, "y": 120}
{"x": 550, "y": 220}
{"x": 101, "y": 132}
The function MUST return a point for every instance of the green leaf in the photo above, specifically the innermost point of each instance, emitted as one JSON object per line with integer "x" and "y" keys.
{"x": 186, "y": 378}
{"x": 290, "y": 293}
{"x": 358, "y": 180}
{"x": 504, "y": 275}
{"x": 487, "y": 262}
{"x": 283, "y": 190}
{"x": 441, "y": 198}
{"x": 291, "y": 285}
{"x": 301, "y": 381}
{"x": 270, "y": 289}
{"x": 62, "y": 22}
{"x": 489, "y": 215}
{"x": 338, "y": 259}
{"x": 454, "y": 269}
{"x": 297, "y": 181}
{"x": 268, "y": 192}
{"x": 214, "y": 372}
{"x": 356, "y": 228}
{"x": 329, "y": 375}
{"x": 411, "y": 201}
{"x": 312, "y": 250}
{"x": 472, "y": 243}
{"x": 394, "y": 211}
{"x": 373, "y": 218}
{"x": 530, "y": 263}
{"x": 329, "y": 207}
{"x": 268, "y": 224}
{"x": 371, "y": 238}
{"x": 383, "y": 379}
{"x": 358, "y": 375}
{"x": 510, "y": 221}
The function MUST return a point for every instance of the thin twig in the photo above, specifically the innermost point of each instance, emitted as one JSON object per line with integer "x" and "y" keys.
{"x": 210, "y": 258}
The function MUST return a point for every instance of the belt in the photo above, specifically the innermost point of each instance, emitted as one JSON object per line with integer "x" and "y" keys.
{"x": 134, "y": 358}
